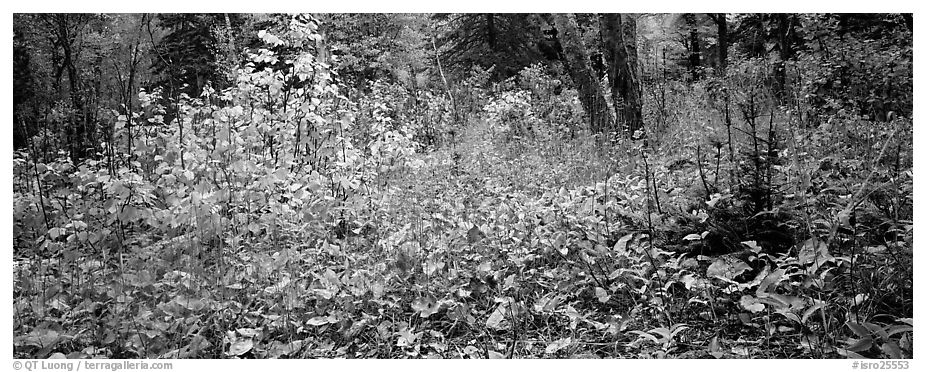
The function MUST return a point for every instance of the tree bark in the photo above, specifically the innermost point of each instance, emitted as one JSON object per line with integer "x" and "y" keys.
{"x": 65, "y": 28}
{"x": 694, "y": 46}
{"x": 618, "y": 33}
{"x": 577, "y": 63}
{"x": 232, "y": 47}
{"x": 722, "y": 43}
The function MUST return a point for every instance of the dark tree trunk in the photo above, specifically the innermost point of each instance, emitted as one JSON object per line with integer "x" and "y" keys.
{"x": 721, "y": 20}
{"x": 576, "y": 57}
{"x": 618, "y": 33}
{"x": 22, "y": 92}
{"x": 694, "y": 46}
{"x": 66, "y": 27}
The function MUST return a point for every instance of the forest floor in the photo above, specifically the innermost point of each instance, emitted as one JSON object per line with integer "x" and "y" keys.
{"x": 489, "y": 250}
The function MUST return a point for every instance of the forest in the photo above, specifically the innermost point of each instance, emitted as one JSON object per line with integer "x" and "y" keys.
{"x": 473, "y": 185}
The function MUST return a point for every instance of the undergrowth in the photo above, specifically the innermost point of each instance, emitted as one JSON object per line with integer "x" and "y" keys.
{"x": 512, "y": 233}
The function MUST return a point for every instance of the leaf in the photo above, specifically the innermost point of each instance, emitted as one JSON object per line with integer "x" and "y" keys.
{"x": 621, "y": 244}
{"x": 770, "y": 282}
{"x": 559, "y": 241}
{"x": 41, "y": 337}
{"x": 662, "y": 331}
{"x": 497, "y": 319}
{"x": 248, "y": 332}
{"x": 858, "y": 329}
{"x": 813, "y": 251}
{"x": 279, "y": 287}
{"x": 727, "y": 268}
{"x": 558, "y": 345}
{"x": 876, "y": 329}
{"x": 320, "y": 321}
{"x": 240, "y": 346}
{"x": 619, "y": 323}
{"x": 474, "y": 235}
{"x": 784, "y": 302}
{"x": 714, "y": 348}
{"x": 55, "y": 232}
{"x": 692, "y": 237}
{"x": 791, "y": 316}
{"x": 861, "y": 345}
{"x": 647, "y": 336}
{"x": 426, "y": 306}
{"x": 279, "y": 349}
{"x": 753, "y": 246}
{"x": 716, "y": 198}
{"x": 849, "y": 354}
{"x": 407, "y": 337}
{"x": 547, "y": 304}
{"x": 751, "y": 304}
{"x": 810, "y": 311}
{"x": 891, "y": 349}
{"x": 495, "y": 355}
{"x": 740, "y": 350}
{"x": 895, "y": 329}
{"x": 858, "y": 300}
{"x": 602, "y": 295}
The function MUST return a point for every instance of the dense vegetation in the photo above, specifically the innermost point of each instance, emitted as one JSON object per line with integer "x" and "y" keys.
{"x": 463, "y": 186}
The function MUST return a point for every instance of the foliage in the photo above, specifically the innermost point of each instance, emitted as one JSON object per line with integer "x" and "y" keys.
{"x": 299, "y": 213}
{"x": 856, "y": 72}
{"x": 507, "y": 42}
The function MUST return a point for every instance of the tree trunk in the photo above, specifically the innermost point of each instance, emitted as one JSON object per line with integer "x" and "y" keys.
{"x": 576, "y": 58}
{"x": 230, "y": 33}
{"x": 721, "y": 20}
{"x": 618, "y": 33}
{"x": 694, "y": 46}
{"x": 78, "y": 128}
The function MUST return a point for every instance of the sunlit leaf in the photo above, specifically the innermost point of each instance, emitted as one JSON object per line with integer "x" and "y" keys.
{"x": 751, "y": 304}
{"x": 558, "y": 345}
{"x": 240, "y": 346}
